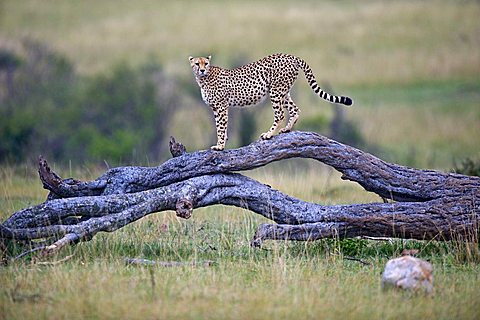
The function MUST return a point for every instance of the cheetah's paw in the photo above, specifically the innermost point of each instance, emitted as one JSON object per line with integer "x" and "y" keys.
{"x": 217, "y": 148}
{"x": 266, "y": 135}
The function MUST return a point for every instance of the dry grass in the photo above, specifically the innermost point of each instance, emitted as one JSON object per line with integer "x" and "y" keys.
{"x": 280, "y": 287}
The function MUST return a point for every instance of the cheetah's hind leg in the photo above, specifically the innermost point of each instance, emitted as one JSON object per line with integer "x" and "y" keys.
{"x": 217, "y": 148}
{"x": 293, "y": 114}
{"x": 278, "y": 116}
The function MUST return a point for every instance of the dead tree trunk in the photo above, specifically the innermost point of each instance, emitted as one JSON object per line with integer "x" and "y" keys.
{"x": 426, "y": 204}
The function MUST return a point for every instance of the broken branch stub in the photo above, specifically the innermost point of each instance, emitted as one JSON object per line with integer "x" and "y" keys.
{"x": 184, "y": 208}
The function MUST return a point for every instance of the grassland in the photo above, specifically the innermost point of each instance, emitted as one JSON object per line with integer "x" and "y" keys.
{"x": 412, "y": 68}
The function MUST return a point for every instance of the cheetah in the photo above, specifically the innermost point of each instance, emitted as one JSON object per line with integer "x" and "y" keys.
{"x": 250, "y": 84}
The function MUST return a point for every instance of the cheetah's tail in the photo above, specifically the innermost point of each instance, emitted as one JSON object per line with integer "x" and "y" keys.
{"x": 316, "y": 88}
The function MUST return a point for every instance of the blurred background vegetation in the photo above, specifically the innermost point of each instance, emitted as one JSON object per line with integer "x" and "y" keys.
{"x": 109, "y": 81}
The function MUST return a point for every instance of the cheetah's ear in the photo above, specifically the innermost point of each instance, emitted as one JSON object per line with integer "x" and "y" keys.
{"x": 190, "y": 58}
{"x": 209, "y": 57}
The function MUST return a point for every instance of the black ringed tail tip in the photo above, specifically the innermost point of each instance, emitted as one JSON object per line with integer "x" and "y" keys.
{"x": 316, "y": 88}
{"x": 347, "y": 101}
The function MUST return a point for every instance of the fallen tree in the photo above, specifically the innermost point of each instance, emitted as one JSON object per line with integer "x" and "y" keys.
{"x": 425, "y": 204}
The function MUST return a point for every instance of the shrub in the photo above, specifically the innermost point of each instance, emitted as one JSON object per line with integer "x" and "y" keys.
{"x": 120, "y": 116}
{"x": 39, "y": 84}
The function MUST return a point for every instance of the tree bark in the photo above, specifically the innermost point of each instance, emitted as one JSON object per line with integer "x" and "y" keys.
{"x": 426, "y": 204}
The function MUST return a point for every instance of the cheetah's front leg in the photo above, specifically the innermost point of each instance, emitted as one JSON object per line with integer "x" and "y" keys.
{"x": 221, "y": 122}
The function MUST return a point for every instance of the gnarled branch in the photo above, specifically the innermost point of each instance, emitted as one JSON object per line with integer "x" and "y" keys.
{"x": 430, "y": 204}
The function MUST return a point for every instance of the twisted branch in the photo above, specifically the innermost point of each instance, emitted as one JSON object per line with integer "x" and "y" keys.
{"x": 431, "y": 204}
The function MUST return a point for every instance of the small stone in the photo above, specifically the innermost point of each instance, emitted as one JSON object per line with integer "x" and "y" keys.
{"x": 408, "y": 273}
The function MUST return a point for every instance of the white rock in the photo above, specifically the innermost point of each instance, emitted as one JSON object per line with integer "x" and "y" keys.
{"x": 408, "y": 273}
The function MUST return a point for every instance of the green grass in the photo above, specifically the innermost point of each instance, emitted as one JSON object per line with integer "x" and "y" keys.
{"x": 282, "y": 280}
{"x": 277, "y": 285}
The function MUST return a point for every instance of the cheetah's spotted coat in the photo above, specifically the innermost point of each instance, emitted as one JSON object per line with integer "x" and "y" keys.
{"x": 249, "y": 85}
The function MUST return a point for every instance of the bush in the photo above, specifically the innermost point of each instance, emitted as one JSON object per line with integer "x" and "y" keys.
{"x": 114, "y": 115}
{"x": 120, "y": 116}
{"x": 39, "y": 85}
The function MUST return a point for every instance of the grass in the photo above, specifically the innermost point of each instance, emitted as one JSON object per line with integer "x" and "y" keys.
{"x": 282, "y": 280}
{"x": 277, "y": 287}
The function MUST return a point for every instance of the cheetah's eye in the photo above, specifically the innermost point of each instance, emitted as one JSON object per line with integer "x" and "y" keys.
{"x": 206, "y": 64}
{"x": 197, "y": 64}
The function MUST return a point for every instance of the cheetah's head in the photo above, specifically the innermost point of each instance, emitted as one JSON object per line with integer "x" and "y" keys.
{"x": 200, "y": 65}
